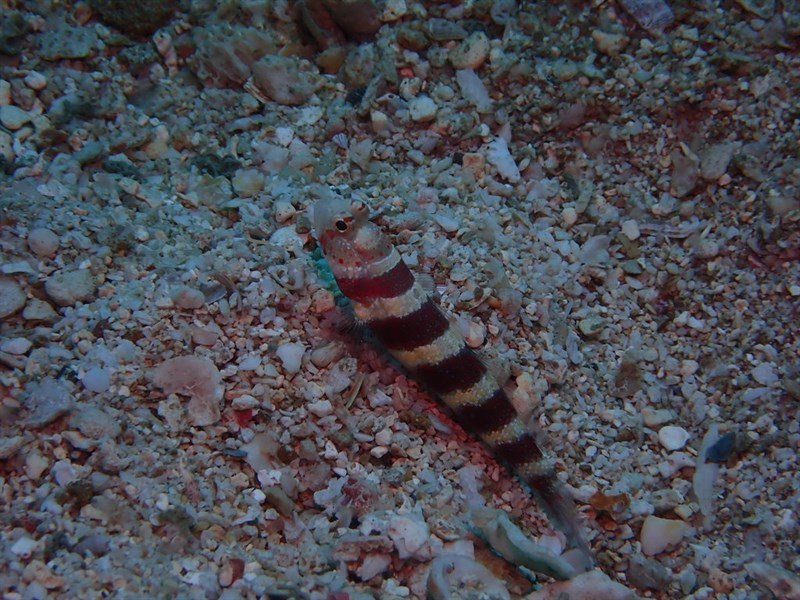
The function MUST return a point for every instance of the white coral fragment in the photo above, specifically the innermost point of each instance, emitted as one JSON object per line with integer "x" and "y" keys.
{"x": 498, "y": 155}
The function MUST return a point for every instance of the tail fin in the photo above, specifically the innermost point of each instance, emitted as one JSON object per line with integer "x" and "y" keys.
{"x": 556, "y": 501}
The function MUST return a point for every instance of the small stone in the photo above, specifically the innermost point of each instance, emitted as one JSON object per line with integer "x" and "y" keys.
{"x": 323, "y": 356}
{"x": 655, "y": 417}
{"x": 188, "y": 298}
{"x": 564, "y": 69}
{"x": 291, "y": 356}
{"x": 230, "y": 572}
{"x": 283, "y": 211}
{"x": 92, "y": 150}
{"x": 286, "y": 80}
{"x": 97, "y": 379}
{"x": 648, "y": 574}
{"x": 64, "y": 472}
{"x": 7, "y": 153}
{"x": 9, "y": 446}
{"x": 412, "y": 38}
{"x": 715, "y": 160}
{"x": 321, "y": 408}
{"x": 764, "y": 374}
{"x": 5, "y": 92}
{"x": 248, "y": 182}
{"x": 47, "y": 400}
{"x": 498, "y": 155}
{"x": 69, "y": 287}
{"x": 12, "y": 297}
{"x": 659, "y": 534}
{"x": 422, "y": 109}
{"x": 24, "y": 547}
{"x": 16, "y": 346}
{"x": 380, "y": 121}
{"x": 569, "y": 216}
{"x": 684, "y": 174}
{"x": 13, "y": 117}
{"x": 38, "y": 310}
{"x": 673, "y": 437}
{"x": 35, "y": 80}
{"x": 42, "y": 242}
{"x": 707, "y": 249}
{"x": 630, "y": 229}
{"x": 591, "y": 326}
{"x": 471, "y": 52}
{"x": 35, "y": 465}
{"x": 394, "y": 10}
{"x": 610, "y": 44}
{"x": 94, "y": 423}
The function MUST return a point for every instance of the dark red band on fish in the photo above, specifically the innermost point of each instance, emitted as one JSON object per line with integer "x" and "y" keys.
{"x": 421, "y": 327}
{"x": 394, "y": 282}
{"x": 458, "y": 372}
{"x": 545, "y": 483}
{"x": 520, "y": 451}
{"x": 490, "y": 415}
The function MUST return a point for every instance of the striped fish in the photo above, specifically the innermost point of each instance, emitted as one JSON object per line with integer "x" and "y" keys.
{"x": 387, "y": 298}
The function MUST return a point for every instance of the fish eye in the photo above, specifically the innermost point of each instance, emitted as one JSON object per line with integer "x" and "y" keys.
{"x": 341, "y": 225}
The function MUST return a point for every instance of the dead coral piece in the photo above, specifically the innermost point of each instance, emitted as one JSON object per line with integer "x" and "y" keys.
{"x": 453, "y": 576}
{"x": 587, "y": 586}
{"x": 508, "y": 541}
{"x": 198, "y": 378}
{"x": 285, "y": 80}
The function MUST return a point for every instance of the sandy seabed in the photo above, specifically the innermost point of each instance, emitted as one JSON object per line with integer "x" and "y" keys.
{"x": 609, "y": 213}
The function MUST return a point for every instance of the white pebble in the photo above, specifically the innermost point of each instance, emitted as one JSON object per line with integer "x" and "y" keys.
{"x": 630, "y": 229}
{"x": 659, "y": 534}
{"x": 42, "y": 242}
{"x": 97, "y": 380}
{"x": 24, "y": 547}
{"x": 291, "y": 356}
{"x": 569, "y": 216}
{"x": 673, "y": 437}
{"x": 284, "y": 135}
{"x": 422, "y": 109}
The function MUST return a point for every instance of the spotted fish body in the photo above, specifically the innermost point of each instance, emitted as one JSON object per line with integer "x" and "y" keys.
{"x": 388, "y": 299}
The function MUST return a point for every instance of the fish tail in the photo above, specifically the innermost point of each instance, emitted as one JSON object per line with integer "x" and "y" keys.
{"x": 558, "y": 504}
